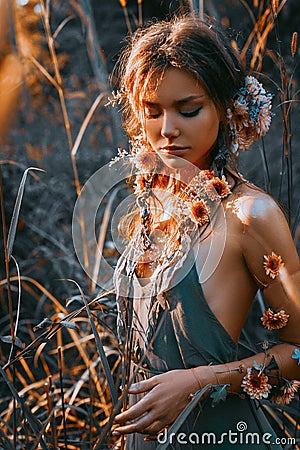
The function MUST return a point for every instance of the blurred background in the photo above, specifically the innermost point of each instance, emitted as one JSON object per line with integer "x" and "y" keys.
{"x": 56, "y": 71}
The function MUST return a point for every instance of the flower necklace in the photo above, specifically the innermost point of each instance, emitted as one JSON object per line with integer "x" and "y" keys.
{"x": 170, "y": 208}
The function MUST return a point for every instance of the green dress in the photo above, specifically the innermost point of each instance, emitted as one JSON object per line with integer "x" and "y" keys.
{"x": 186, "y": 334}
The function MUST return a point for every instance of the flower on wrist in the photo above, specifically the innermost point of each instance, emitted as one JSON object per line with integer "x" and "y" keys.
{"x": 255, "y": 384}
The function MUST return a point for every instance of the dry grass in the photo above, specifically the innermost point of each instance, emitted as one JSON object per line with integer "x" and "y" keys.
{"x": 60, "y": 361}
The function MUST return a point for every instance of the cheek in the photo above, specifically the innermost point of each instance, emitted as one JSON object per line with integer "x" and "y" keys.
{"x": 152, "y": 130}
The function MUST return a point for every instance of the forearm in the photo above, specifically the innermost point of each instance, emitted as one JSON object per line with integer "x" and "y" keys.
{"x": 234, "y": 372}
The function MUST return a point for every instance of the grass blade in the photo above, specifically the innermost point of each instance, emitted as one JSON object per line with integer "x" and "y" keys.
{"x": 33, "y": 422}
{"x": 100, "y": 350}
{"x": 16, "y": 212}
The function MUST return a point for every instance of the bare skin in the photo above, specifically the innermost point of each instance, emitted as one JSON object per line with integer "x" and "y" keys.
{"x": 255, "y": 227}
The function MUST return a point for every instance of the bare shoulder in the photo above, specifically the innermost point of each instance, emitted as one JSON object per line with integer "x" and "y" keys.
{"x": 254, "y": 207}
{"x": 261, "y": 227}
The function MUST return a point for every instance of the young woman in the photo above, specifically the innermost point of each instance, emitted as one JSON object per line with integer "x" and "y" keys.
{"x": 201, "y": 243}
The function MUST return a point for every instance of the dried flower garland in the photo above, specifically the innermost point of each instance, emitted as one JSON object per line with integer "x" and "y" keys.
{"x": 249, "y": 117}
{"x": 200, "y": 212}
{"x": 272, "y": 265}
{"x": 274, "y": 320}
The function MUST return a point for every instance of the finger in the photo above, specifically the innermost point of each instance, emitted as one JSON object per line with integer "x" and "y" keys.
{"x": 150, "y": 438}
{"x": 133, "y": 412}
{"x": 155, "y": 428}
{"x": 142, "y": 386}
{"x": 144, "y": 422}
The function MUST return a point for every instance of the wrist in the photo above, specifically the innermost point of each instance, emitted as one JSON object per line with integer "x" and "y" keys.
{"x": 231, "y": 374}
{"x": 204, "y": 375}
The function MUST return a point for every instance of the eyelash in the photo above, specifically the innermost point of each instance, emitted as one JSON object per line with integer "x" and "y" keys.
{"x": 192, "y": 113}
{"x": 184, "y": 114}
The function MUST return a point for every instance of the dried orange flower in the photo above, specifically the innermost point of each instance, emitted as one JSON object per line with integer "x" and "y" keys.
{"x": 221, "y": 186}
{"x": 208, "y": 174}
{"x": 274, "y": 321}
{"x": 273, "y": 264}
{"x": 200, "y": 212}
{"x": 286, "y": 393}
{"x": 145, "y": 161}
{"x": 140, "y": 183}
{"x": 255, "y": 384}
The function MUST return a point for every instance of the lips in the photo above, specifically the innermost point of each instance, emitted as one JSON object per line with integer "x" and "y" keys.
{"x": 174, "y": 150}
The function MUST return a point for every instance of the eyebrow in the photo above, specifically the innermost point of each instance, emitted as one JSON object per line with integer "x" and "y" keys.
{"x": 178, "y": 102}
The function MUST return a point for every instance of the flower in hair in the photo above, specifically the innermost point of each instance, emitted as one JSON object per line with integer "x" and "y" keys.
{"x": 273, "y": 264}
{"x": 200, "y": 212}
{"x": 274, "y": 321}
{"x": 285, "y": 394}
{"x": 255, "y": 384}
{"x": 249, "y": 118}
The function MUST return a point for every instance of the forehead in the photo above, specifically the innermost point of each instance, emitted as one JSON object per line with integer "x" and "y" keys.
{"x": 173, "y": 84}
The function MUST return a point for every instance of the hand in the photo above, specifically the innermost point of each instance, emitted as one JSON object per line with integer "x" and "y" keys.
{"x": 166, "y": 396}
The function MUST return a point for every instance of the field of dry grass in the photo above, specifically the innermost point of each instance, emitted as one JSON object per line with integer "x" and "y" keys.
{"x": 60, "y": 365}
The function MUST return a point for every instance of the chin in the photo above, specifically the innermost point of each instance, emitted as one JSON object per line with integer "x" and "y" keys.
{"x": 173, "y": 162}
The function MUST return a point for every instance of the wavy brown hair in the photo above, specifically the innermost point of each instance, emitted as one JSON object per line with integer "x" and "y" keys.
{"x": 198, "y": 47}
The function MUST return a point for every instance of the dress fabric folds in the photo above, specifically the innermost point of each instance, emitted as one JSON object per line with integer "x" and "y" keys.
{"x": 184, "y": 333}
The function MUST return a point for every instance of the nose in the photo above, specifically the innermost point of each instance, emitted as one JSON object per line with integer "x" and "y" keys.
{"x": 169, "y": 127}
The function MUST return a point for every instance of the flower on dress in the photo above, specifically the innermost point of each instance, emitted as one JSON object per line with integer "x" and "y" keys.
{"x": 255, "y": 384}
{"x": 200, "y": 212}
{"x": 273, "y": 264}
{"x": 274, "y": 320}
{"x": 286, "y": 393}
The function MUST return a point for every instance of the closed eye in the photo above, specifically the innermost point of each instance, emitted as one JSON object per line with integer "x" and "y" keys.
{"x": 193, "y": 113}
{"x": 152, "y": 116}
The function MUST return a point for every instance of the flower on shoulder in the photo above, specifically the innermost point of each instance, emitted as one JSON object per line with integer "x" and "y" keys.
{"x": 200, "y": 213}
{"x": 273, "y": 264}
{"x": 255, "y": 384}
{"x": 274, "y": 320}
{"x": 221, "y": 186}
{"x": 285, "y": 394}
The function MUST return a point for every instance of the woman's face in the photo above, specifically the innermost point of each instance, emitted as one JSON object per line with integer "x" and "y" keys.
{"x": 181, "y": 120}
